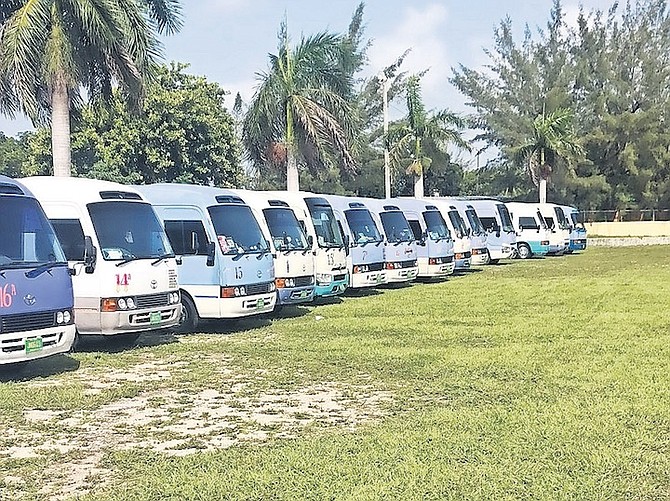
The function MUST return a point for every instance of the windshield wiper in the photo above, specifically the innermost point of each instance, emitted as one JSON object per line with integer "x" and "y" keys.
{"x": 160, "y": 259}
{"x": 36, "y": 272}
{"x": 128, "y": 260}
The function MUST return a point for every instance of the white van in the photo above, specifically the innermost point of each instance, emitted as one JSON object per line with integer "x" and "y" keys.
{"x": 501, "y": 237}
{"x": 290, "y": 245}
{"x": 559, "y": 227}
{"x": 476, "y": 231}
{"x": 532, "y": 232}
{"x": 459, "y": 232}
{"x": 125, "y": 278}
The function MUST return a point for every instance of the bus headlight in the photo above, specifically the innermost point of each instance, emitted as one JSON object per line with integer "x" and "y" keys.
{"x": 324, "y": 278}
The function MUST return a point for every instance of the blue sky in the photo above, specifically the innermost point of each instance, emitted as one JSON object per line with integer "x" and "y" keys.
{"x": 228, "y": 40}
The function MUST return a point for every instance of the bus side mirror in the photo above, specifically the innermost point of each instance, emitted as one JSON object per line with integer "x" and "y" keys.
{"x": 90, "y": 255}
{"x": 210, "y": 253}
{"x": 347, "y": 241}
{"x": 179, "y": 260}
{"x": 310, "y": 241}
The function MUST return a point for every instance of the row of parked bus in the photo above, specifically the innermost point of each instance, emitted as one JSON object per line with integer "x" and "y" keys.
{"x": 85, "y": 257}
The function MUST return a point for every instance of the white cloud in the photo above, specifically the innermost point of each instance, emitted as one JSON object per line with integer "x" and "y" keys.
{"x": 421, "y": 30}
{"x": 246, "y": 88}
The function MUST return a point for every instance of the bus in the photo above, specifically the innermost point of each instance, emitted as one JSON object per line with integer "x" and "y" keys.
{"x": 577, "y": 229}
{"x": 495, "y": 218}
{"x": 290, "y": 245}
{"x": 365, "y": 261}
{"x": 558, "y": 226}
{"x": 532, "y": 232}
{"x": 459, "y": 231}
{"x": 435, "y": 247}
{"x": 227, "y": 269}
{"x": 36, "y": 296}
{"x": 125, "y": 274}
{"x": 330, "y": 249}
{"x": 400, "y": 254}
{"x": 476, "y": 231}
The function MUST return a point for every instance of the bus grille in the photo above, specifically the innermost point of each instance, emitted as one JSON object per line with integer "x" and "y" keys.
{"x": 304, "y": 281}
{"x": 339, "y": 278}
{"x": 409, "y": 264}
{"x": 151, "y": 300}
{"x": 27, "y": 321}
{"x": 258, "y": 288}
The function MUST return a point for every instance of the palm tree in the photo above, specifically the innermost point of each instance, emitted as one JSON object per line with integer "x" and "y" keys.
{"x": 409, "y": 136}
{"x": 50, "y": 50}
{"x": 553, "y": 139}
{"x": 300, "y": 111}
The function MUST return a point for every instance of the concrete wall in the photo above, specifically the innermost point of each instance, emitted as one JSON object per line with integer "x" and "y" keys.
{"x": 630, "y": 229}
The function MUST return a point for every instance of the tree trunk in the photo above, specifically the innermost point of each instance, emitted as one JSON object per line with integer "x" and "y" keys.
{"x": 292, "y": 181}
{"x": 60, "y": 129}
{"x": 543, "y": 190}
{"x": 418, "y": 185}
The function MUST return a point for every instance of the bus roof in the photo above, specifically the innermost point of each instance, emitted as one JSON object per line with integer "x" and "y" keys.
{"x": 188, "y": 194}
{"x": 79, "y": 189}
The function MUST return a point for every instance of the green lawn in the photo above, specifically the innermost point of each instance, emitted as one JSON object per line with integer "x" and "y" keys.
{"x": 540, "y": 379}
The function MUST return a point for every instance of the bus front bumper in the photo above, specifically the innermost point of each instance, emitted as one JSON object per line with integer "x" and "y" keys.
{"x": 54, "y": 340}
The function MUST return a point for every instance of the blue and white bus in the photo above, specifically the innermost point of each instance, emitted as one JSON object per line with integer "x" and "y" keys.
{"x": 125, "y": 274}
{"x": 366, "y": 242}
{"x": 532, "y": 232}
{"x": 227, "y": 269}
{"x": 495, "y": 218}
{"x": 435, "y": 247}
{"x": 559, "y": 228}
{"x": 577, "y": 229}
{"x": 291, "y": 247}
{"x": 400, "y": 254}
{"x": 36, "y": 297}
{"x": 330, "y": 249}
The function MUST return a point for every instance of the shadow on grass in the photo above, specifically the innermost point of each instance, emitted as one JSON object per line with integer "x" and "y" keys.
{"x": 323, "y": 301}
{"x": 42, "y": 367}
{"x": 124, "y": 342}
{"x": 232, "y": 325}
{"x": 362, "y": 292}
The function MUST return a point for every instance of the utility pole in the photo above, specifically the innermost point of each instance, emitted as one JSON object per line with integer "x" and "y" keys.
{"x": 387, "y": 168}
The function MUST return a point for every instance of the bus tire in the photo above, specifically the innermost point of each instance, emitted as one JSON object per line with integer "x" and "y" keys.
{"x": 188, "y": 321}
{"x": 524, "y": 251}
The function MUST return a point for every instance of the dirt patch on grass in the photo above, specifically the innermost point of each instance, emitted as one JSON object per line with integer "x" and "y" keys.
{"x": 171, "y": 419}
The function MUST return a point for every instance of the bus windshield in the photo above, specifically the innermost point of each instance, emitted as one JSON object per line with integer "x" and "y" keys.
{"x": 435, "y": 225}
{"x": 362, "y": 226}
{"x": 128, "y": 231}
{"x": 396, "y": 227}
{"x": 325, "y": 226}
{"x": 237, "y": 230}
{"x": 505, "y": 219}
{"x": 458, "y": 223}
{"x": 475, "y": 223}
{"x": 27, "y": 237}
{"x": 287, "y": 234}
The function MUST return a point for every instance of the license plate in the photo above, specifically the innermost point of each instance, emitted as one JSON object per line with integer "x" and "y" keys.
{"x": 155, "y": 317}
{"x": 260, "y": 304}
{"x": 33, "y": 344}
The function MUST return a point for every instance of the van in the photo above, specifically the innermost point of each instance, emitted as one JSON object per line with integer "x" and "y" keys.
{"x": 330, "y": 248}
{"x": 36, "y": 296}
{"x": 559, "y": 237}
{"x": 400, "y": 254}
{"x": 476, "y": 231}
{"x": 495, "y": 218}
{"x": 363, "y": 232}
{"x": 290, "y": 245}
{"x": 459, "y": 231}
{"x": 532, "y": 232}
{"x": 577, "y": 230}
{"x": 226, "y": 269}
{"x": 125, "y": 274}
{"x": 435, "y": 247}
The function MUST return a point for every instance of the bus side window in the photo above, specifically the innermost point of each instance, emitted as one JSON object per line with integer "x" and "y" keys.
{"x": 71, "y": 237}
{"x": 187, "y": 237}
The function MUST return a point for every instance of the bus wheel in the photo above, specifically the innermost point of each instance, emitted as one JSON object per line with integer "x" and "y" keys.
{"x": 524, "y": 251}
{"x": 189, "y": 319}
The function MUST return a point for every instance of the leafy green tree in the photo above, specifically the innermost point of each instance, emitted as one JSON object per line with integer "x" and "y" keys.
{"x": 553, "y": 139}
{"x": 300, "y": 113}
{"x": 50, "y": 50}
{"x": 183, "y": 134}
{"x": 12, "y": 155}
{"x": 409, "y": 137}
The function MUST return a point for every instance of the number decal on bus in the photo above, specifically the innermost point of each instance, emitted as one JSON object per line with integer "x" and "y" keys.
{"x": 7, "y": 294}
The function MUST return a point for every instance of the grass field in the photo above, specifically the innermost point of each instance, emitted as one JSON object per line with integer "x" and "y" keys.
{"x": 540, "y": 379}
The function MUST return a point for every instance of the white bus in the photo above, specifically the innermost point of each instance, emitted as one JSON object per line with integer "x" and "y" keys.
{"x": 459, "y": 232}
{"x": 290, "y": 245}
{"x": 532, "y": 232}
{"x": 125, "y": 278}
{"x": 501, "y": 237}
{"x": 226, "y": 268}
